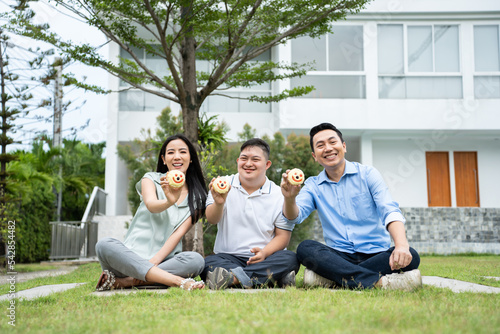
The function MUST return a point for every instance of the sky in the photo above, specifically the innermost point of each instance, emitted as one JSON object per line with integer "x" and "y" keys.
{"x": 87, "y": 107}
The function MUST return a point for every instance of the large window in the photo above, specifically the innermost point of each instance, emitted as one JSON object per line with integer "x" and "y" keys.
{"x": 234, "y": 99}
{"x": 337, "y": 60}
{"x": 419, "y": 62}
{"x": 138, "y": 100}
{"x": 486, "y": 62}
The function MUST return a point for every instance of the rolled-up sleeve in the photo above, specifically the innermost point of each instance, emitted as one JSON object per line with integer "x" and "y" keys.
{"x": 283, "y": 224}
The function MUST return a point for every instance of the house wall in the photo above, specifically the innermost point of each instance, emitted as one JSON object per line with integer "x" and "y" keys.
{"x": 402, "y": 164}
{"x": 453, "y": 230}
{"x": 391, "y": 134}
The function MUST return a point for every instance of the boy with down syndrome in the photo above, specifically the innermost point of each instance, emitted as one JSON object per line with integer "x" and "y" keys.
{"x": 358, "y": 217}
{"x": 252, "y": 234}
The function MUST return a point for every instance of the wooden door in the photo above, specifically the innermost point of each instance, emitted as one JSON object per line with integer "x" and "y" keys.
{"x": 466, "y": 178}
{"x": 438, "y": 178}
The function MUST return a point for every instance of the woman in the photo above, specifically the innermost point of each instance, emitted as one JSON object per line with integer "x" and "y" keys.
{"x": 152, "y": 250}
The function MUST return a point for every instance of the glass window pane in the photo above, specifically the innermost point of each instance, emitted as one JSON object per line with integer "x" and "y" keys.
{"x": 390, "y": 48}
{"x": 265, "y": 56}
{"x": 306, "y": 50}
{"x": 446, "y": 48}
{"x": 247, "y": 106}
{"x": 345, "y": 48}
{"x": 157, "y": 64}
{"x": 487, "y": 87}
{"x": 222, "y": 104}
{"x": 131, "y": 101}
{"x": 154, "y": 102}
{"x": 420, "y": 49}
{"x": 434, "y": 87}
{"x": 392, "y": 87}
{"x": 342, "y": 86}
{"x": 486, "y": 48}
{"x": 259, "y": 87}
{"x": 138, "y": 52}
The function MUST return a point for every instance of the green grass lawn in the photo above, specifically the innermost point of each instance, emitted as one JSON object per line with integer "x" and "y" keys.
{"x": 429, "y": 310}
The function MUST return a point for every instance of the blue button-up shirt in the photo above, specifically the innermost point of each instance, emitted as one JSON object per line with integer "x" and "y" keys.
{"x": 354, "y": 211}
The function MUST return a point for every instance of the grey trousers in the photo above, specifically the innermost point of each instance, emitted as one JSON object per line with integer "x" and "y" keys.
{"x": 119, "y": 259}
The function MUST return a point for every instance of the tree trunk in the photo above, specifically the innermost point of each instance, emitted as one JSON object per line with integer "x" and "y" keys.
{"x": 189, "y": 100}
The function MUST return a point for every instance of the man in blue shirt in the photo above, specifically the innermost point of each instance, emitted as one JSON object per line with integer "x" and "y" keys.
{"x": 358, "y": 217}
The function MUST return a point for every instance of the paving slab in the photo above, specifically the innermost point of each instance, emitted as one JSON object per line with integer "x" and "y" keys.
{"x": 458, "y": 286}
{"x": 41, "y": 291}
{"x": 23, "y": 277}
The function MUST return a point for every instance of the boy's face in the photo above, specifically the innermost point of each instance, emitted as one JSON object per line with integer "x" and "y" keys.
{"x": 329, "y": 150}
{"x": 252, "y": 163}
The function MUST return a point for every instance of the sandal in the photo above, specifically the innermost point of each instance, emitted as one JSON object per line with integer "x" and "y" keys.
{"x": 106, "y": 281}
{"x": 194, "y": 284}
{"x": 100, "y": 281}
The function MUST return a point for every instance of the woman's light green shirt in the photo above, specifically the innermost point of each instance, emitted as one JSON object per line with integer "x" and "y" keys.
{"x": 149, "y": 231}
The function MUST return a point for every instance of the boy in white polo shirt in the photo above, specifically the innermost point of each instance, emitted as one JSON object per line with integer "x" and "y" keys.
{"x": 252, "y": 233}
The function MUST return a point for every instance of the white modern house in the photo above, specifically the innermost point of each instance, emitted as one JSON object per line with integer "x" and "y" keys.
{"x": 413, "y": 85}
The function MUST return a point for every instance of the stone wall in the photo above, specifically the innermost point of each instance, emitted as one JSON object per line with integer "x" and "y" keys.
{"x": 453, "y": 230}
{"x": 448, "y": 230}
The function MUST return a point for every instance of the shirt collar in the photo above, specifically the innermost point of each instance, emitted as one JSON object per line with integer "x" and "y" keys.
{"x": 350, "y": 168}
{"x": 265, "y": 189}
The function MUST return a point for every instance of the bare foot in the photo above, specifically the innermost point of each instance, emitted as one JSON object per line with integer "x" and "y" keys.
{"x": 123, "y": 282}
{"x": 128, "y": 282}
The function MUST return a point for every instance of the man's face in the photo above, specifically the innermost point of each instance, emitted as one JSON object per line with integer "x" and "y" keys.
{"x": 252, "y": 163}
{"x": 329, "y": 150}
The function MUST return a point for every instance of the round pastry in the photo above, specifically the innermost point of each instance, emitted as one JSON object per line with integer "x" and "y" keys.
{"x": 176, "y": 178}
{"x": 221, "y": 185}
{"x": 296, "y": 177}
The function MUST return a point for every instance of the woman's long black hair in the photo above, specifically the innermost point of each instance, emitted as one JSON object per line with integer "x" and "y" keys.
{"x": 197, "y": 190}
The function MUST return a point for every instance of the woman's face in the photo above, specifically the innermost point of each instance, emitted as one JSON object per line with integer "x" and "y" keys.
{"x": 177, "y": 156}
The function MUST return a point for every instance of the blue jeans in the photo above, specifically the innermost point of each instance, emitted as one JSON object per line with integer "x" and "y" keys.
{"x": 272, "y": 269}
{"x": 357, "y": 270}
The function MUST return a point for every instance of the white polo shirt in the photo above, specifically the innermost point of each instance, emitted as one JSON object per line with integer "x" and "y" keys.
{"x": 249, "y": 220}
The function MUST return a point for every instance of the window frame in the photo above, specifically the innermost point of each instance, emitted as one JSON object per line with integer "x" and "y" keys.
{"x": 483, "y": 74}
{"x": 339, "y": 73}
{"x": 407, "y": 74}
{"x": 205, "y": 107}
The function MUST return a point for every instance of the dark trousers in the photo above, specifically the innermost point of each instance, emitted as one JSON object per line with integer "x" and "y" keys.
{"x": 271, "y": 270}
{"x": 357, "y": 270}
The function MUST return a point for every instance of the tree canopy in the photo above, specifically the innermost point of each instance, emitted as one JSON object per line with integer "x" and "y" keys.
{"x": 228, "y": 35}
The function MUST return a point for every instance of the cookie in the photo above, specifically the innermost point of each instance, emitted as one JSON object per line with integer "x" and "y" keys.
{"x": 176, "y": 178}
{"x": 221, "y": 185}
{"x": 296, "y": 177}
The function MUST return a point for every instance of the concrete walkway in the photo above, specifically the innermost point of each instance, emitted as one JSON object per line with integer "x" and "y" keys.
{"x": 440, "y": 282}
{"x": 42, "y": 291}
{"x": 23, "y": 277}
{"x": 458, "y": 286}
